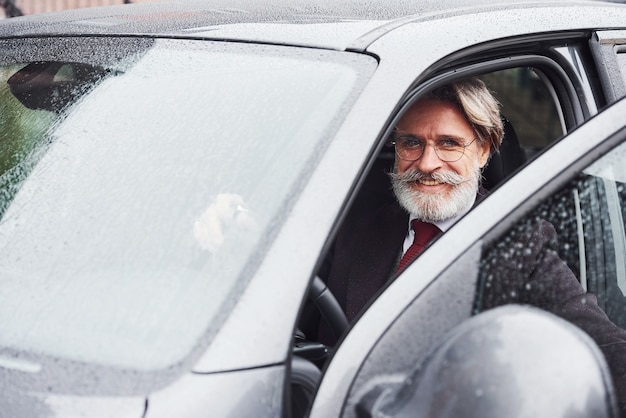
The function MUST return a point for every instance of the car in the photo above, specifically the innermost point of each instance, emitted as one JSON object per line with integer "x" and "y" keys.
{"x": 173, "y": 174}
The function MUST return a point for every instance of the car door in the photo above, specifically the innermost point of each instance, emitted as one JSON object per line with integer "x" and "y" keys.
{"x": 441, "y": 289}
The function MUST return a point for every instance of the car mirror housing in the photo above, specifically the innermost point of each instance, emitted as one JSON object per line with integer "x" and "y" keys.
{"x": 512, "y": 361}
{"x": 54, "y": 85}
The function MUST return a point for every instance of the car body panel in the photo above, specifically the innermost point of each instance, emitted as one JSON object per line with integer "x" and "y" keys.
{"x": 45, "y": 405}
{"x": 249, "y": 21}
{"x": 245, "y": 393}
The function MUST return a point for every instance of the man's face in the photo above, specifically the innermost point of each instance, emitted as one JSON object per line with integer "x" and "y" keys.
{"x": 430, "y": 188}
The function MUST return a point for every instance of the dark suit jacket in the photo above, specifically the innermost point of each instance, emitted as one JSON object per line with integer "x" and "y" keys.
{"x": 365, "y": 255}
{"x": 522, "y": 268}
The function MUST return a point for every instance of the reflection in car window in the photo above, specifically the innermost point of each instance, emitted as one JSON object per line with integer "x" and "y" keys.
{"x": 606, "y": 204}
{"x": 568, "y": 256}
{"x": 23, "y": 131}
{"x": 134, "y": 213}
{"x": 589, "y": 217}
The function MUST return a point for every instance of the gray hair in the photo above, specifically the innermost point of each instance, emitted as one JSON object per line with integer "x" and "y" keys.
{"x": 477, "y": 104}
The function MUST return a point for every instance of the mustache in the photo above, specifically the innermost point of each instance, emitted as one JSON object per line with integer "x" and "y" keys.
{"x": 410, "y": 176}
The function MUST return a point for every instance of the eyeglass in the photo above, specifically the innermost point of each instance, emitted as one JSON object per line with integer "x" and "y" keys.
{"x": 411, "y": 148}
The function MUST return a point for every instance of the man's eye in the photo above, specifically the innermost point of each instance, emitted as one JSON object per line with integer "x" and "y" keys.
{"x": 449, "y": 143}
{"x": 411, "y": 142}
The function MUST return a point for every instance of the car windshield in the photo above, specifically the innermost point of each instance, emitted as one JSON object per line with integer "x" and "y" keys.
{"x": 141, "y": 182}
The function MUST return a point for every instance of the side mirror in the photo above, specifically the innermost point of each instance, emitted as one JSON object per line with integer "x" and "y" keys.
{"x": 54, "y": 85}
{"x": 512, "y": 361}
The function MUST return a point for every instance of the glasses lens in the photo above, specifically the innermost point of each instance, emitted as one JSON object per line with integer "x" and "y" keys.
{"x": 409, "y": 148}
{"x": 450, "y": 154}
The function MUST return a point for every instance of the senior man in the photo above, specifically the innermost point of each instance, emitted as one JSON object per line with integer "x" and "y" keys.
{"x": 442, "y": 143}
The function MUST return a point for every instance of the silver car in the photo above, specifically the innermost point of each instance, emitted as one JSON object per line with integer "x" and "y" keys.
{"x": 172, "y": 175}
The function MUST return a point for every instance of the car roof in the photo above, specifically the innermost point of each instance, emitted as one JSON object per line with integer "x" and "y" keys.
{"x": 314, "y": 23}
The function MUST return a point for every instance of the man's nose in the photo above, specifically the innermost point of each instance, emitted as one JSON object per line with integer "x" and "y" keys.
{"x": 429, "y": 161}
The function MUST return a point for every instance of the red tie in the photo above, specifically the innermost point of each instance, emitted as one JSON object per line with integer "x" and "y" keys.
{"x": 424, "y": 233}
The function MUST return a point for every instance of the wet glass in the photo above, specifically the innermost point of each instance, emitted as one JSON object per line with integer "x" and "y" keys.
{"x": 588, "y": 216}
{"x": 141, "y": 183}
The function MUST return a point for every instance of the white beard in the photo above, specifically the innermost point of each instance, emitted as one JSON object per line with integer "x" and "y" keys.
{"x": 433, "y": 207}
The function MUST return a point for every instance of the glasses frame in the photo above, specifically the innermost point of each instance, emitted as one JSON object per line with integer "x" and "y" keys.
{"x": 396, "y": 137}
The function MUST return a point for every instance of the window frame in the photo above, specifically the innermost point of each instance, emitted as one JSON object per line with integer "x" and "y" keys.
{"x": 605, "y": 46}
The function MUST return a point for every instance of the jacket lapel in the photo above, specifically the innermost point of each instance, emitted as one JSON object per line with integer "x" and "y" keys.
{"x": 379, "y": 248}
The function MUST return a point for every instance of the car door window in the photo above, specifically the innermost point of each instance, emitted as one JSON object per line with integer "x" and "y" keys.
{"x": 603, "y": 210}
{"x": 108, "y": 127}
{"x": 587, "y": 217}
{"x": 568, "y": 256}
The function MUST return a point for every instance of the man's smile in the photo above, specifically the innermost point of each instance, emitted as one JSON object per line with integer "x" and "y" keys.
{"x": 430, "y": 182}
